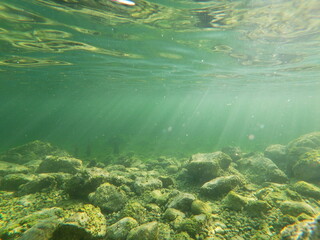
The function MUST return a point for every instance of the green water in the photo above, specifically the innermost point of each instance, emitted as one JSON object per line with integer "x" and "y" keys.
{"x": 160, "y": 78}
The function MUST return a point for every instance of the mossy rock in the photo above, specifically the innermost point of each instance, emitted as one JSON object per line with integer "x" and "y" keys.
{"x": 278, "y": 154}
{"x": 171, "y": 214}
{"x": 41, "y": 183}
{"x": 54, "y": 164}
{"x": 259, "y": 169}
{"x": 182, "y": 202}
{"x": 220, "y": 186}
{"x": 12, "y": 168}
{"x": 199, "y": 207}
{"x": 160, "y": 197}
{"x": 109, "y": 198}
{"x": 303, "y": 144}
{"x": 11, "y": 182}
{"x": 234, "y": 201}
{"x": 143, "y": 184}
{"x": 136, "y": 211}
{"x": 205, "y": 166}
{"x": 85, "y": 182}
{"x": 191, "y": 226}
{"x": 86, "y": 223}
{"x": 274, "y": 194}
{"x": 307, "y": 189}
{"x": 257, "y": 208}
{"x": 46, "y": 218}
{"x": 121, "y": 229}
{"x": 145, "y": 231}
{"x": 294, "y": 208}
{"x": 307, "y": 168}
{"x": 182, "y": 236}
{"x": 31, "y": 151}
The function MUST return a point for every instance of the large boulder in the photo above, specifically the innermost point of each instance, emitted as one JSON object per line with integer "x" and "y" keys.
{"x": 89, "y": 224}
{"x": 85, "y": 182}
{"x": 30, "y": 151}
{"x": 234, "y": 152}
{"x": 121, "y": 229}
{"x": 85, "y": 223}
{"x": 259, "y": 169}
{"x": 143, "y": 184}
{"x": 278, "y": 154}
{"x": 53, "y": 164}
{"x": 10, "y": 168}
{"x": 220, "y": 186}
{"x": 295, "y": 208}
{"x": 43, "y": 182}
{"x": 12, "y": 182}
{"x": 43, "y": 230}
{"x": 206, "y": 166}
{"x": 171, "y": 214}
{"x": 307, "y": 189}
{"x": 148, "y": 231}
{"x": 306, "y": 230}
{"x": 182, "y": 201}
{"x": 30, "y": 226}
{"x": 109, "y": 198}
{"x": 303, "y": 144}
{"x": 307, "y": 167}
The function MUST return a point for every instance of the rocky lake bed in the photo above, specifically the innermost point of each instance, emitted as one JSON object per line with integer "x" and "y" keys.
{"x": 47, "y": 194}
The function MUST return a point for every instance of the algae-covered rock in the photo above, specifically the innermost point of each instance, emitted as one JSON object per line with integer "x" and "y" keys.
{"x": 274, "y": 194}
{"x": 135, "y": 210}
{"x": 171, "y": 214}
{"x": 307, "y": 167}
{"x": 146, "y": 184}
{"x": 85, "y": 182}
{"x": 148, "y": 231}
{"x": 11, "y": 182}
{"x": 182, "y": 202}
{"x": 205, "y": 166}
{"x": 11, "y": 168}
{"x": 182, "y": 236}
{"x": 306, "y": 230}
{"x": 33, "y": 165}
{"x": 193, "y": 226}
{"x": 43, "y": 182}
{"x": 41, "y": 231}
{"x": 235, "y": 201}
{"x": 234, "y": 152}
{"x": 257, "y": 207}
{"x": 166, "y": 181}
{"x": 278, "y": 154}
{"x": 294, "y": 208}
{"x": 285, "y": 220}
{"x": 307, "y": 189}
{"x": 121, "y": 229}
{"x": 159, "y": 197}
{"x": 53, "y": 164}
{"x": 89, "y": 224}
{"x": 108, "y": 197}
{"x": 303, "y": 144}
{"x": 200, "y": 207}
{"x": 30, "y": 151}
{"x": 172, "y": 169}
{"x": 220, "y": 186}
{"x": 44, "y": 223}
{"x": 259, "y": 169}
{"x": 164, "y": 231}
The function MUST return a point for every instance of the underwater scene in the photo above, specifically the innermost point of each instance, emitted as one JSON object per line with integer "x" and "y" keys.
{"x": 159, "y": 120}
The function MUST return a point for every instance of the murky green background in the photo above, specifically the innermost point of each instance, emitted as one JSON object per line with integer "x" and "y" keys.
{"x": 162, "y": 77}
